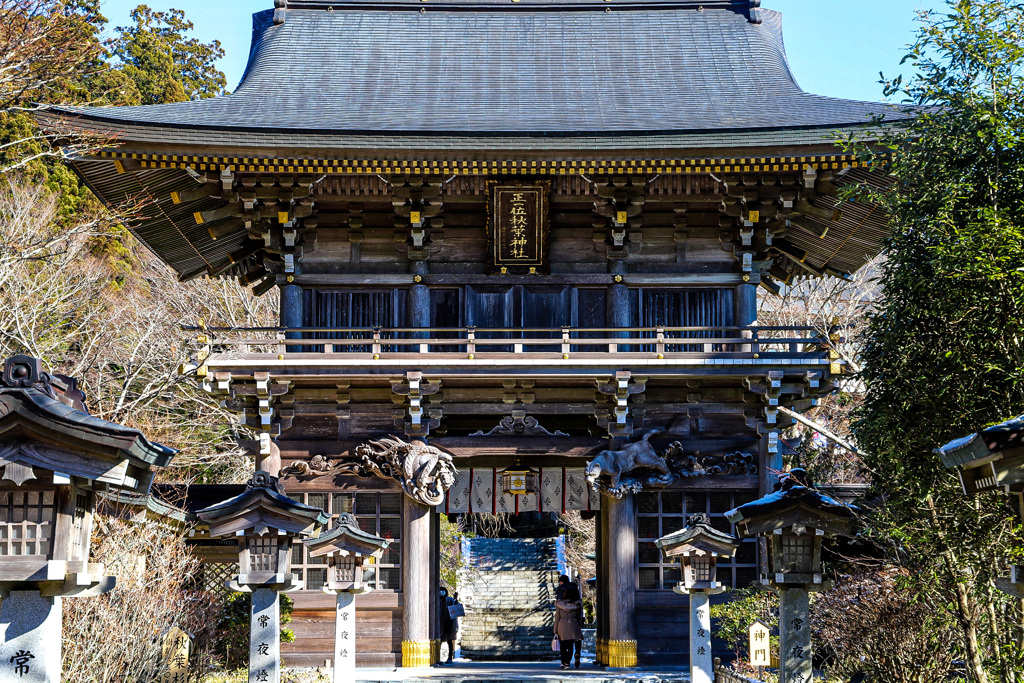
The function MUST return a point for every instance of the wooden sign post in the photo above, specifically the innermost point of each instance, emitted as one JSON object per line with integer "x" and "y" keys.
{"x": 760, "y": 647}
{"x": 177, "y": 647}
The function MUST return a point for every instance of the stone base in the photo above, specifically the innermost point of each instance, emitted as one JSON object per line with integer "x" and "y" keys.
{"x": 621, "y": 654}
{"x": 416, "y": 653}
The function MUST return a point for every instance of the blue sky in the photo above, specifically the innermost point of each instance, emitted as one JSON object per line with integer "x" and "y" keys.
{"x": 836, "y": 47}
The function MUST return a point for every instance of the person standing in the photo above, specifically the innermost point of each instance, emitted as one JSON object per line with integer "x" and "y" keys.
{"x": 568, "y": 629}
{"x": 449, "y": 625}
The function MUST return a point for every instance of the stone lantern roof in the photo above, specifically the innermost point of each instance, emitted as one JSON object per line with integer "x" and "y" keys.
{"x": 261, "y": 508}
{"x": 44, "y": 424}
{"x": 698, "y": 535}
{"x": 795, "y": 502}
{"x": 346, "y": 536}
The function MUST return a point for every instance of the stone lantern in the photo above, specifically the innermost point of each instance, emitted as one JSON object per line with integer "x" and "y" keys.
{"x": 266, "y": 524}
{"x": 54, "y": 457}
{"x": 989, "y": 460}
{"x": 795, "y": 519}
{"x": 698, "y": 546}
{"x": 347, "y": 549}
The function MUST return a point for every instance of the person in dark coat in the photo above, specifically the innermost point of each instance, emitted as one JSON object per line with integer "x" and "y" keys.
{"x": 449, "y": 625}
{"x": 563, "y": 582}
{"x": 568, "y": 628}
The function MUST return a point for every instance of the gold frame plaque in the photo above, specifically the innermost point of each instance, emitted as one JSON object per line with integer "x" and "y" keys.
{"x": 517, "y": 227}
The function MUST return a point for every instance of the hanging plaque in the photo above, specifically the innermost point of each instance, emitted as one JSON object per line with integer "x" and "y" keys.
{"x": 517, "y": 217}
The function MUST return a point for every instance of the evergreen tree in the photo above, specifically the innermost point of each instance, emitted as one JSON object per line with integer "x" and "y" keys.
{"x": 944, "y": 354}
{"x": 164, "y": 64}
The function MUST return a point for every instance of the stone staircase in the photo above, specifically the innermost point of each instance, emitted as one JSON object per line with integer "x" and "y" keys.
{"x": 508, "y": 589}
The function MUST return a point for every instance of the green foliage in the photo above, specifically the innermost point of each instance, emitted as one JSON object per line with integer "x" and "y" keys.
{"x": 944, "y": 354}
{"x": 451, "y": 560}
{"x": 745, "y": 606}
{"x": 164, "y": 64}
{"x": 233, "y": 628}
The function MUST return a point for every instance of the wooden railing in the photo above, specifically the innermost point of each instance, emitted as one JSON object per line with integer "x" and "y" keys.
{"x": 470, "y": 342}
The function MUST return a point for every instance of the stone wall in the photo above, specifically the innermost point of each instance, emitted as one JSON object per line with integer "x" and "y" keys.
{"x": 508, "y": 589}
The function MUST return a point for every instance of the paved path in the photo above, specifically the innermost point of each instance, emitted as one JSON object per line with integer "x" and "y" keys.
{"x": 522, "y": 672}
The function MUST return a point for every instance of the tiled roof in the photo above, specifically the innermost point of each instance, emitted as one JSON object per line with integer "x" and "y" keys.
{"x": 533, "y": 68}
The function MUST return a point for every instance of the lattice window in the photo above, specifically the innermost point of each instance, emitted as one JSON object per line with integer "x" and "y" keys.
{"x": 661, "y": 512}
{"x": 262, "y": 554}
{"x": 26, "y": 522}
{"x": 378, "y": 512}
{"x": 797, "y": 554}
{"x": 700, "y": 568}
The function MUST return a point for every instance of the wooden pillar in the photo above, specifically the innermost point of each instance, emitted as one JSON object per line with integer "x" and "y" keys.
{"x": 417, "y": 306}
{"x": 745, "y": 306}
{"x": 621, "y": 559}
{"x": 618, "y": 308}
{"x": 435, "y": 585}
{"x": 291, "y": 309}
{"x": 416, "y": 589}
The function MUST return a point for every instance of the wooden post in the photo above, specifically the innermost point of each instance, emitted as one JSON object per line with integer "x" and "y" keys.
{"x": 416, "y": 589}
{"x": 795, "y": 636}
{"x": 621, "y": 553}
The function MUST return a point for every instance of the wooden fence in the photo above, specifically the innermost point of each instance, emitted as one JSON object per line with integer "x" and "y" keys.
{"x": 725, "y": 675}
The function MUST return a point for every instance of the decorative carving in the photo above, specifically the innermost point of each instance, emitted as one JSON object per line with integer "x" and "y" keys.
{"x": 316, "y": 466}
{"x": 518, "y": 424}
{"x": 265, "y": 480}
{"x": 698, "y": 519}
{"x": 26, "y": 372}
{"x": 638, "y": 466}
{"x": 688, "y": 466}
{"x": 425, "y": 472}
{"x": 620, "y": 466}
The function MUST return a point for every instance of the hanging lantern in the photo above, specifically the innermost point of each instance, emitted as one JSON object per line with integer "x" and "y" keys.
{"x": 519, "y": 481}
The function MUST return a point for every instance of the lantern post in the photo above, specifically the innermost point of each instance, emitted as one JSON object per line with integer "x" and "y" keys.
{"x": 795, "y": 518}
{"x": 347, "y": 549}
{"x": 698, "y": 546}
{"x": 266, "y": 524}
{"x": 54, "y": 457}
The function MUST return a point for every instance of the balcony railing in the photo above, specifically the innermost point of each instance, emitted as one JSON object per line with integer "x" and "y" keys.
{"x": 515, "y": 346}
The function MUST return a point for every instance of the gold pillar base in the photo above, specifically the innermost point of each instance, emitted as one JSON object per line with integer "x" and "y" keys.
{"x": 599, "y": 655}
{"x": 621, "y": 654}
{"x": 416, "y": 653}
{"x": 435, "y": 652}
